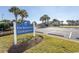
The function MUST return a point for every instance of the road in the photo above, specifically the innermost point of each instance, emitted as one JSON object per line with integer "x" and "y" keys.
{"x": 5, "y": 33}
{"x": 64, "y": 32}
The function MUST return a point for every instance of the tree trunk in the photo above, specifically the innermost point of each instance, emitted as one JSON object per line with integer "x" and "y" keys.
{"x": 22, "y": 18}
{"x": 45, "y": 21}
{"x": 16, "y": 17}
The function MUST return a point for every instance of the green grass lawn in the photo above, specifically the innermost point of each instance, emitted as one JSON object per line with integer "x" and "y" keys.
{"x": 69, "y": 26}
{"x": 48, "y": 45}
{"x": 55, "y": 44}
{"x": 7, "y": 41}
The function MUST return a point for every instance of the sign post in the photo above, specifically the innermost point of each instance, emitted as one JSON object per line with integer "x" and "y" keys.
{"x": 15, "y": 35}
{"x": 70, "y": 35}
{"x": 34, "y": 29}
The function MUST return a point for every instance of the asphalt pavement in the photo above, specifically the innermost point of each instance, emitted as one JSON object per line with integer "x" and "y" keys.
{"x": 72, "y": 33}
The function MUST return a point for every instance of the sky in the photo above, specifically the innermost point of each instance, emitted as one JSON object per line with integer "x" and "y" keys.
{"x": 35, "y": 12}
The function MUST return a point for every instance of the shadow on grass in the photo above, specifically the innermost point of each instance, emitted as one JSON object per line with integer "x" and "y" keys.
{"x": 19, "y": 48}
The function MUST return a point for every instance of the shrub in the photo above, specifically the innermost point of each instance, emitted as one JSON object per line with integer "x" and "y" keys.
{"x": 4, "y": 26}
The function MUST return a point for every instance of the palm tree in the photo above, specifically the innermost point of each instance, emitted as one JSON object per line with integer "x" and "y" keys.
{"x": 56, "y": 22}
{"x": 23, "y": 13}
{"x": 42, "y": 19}
{"x": 34, "y": 22}
{"x": 70, "y": 22}
{"x": 61, "y": 22}
{"x": 45, "y": 18}
{"x": 15, "y": 11}
{"x": 77, "y": 22}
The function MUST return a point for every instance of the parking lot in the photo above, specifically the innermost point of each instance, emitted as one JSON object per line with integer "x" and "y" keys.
{"x": 63, "y": 32}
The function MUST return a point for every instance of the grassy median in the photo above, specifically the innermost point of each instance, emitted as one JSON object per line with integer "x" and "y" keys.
{"x": 69, "y": 26}
{"x": 49, "y": 44}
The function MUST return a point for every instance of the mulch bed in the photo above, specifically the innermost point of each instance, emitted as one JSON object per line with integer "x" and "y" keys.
{"x": 21, "y": 47}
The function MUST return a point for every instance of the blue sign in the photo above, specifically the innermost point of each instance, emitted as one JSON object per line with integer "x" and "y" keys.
{"x": 24, "y": 27}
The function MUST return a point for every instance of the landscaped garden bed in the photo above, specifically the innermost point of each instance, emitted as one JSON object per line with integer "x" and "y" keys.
{"x": 24, "y": 44}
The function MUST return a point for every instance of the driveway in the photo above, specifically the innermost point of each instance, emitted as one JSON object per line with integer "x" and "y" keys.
{"x": 64, "y": 32}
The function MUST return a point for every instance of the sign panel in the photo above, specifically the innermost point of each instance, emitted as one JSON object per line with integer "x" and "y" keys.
{"x": 23, "y": 28}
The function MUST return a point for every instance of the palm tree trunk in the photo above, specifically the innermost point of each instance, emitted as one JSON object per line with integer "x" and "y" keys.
{"x": 45, "y": 21}
{"x": 22, "y": 19}
{"x": 15, "y": 17}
